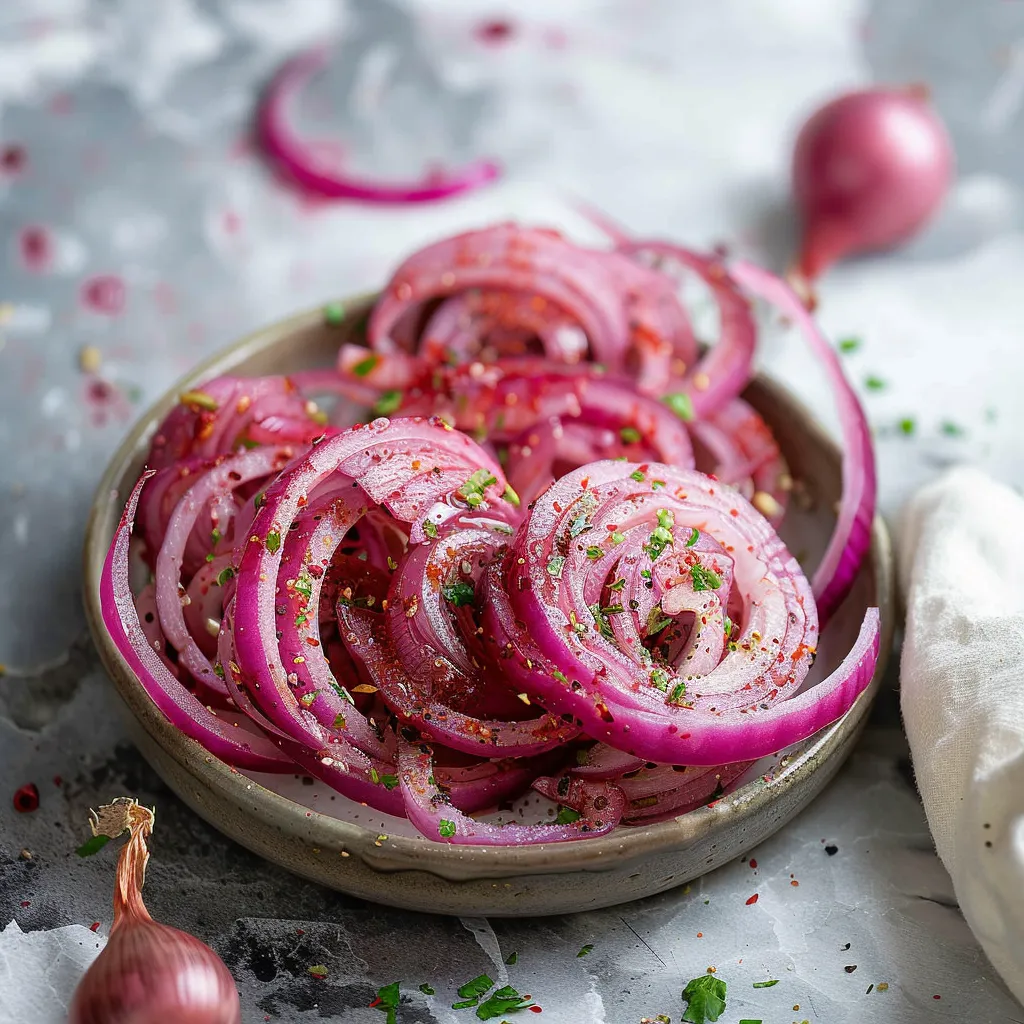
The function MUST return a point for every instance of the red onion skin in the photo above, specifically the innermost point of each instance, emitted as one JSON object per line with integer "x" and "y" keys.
{"x": 869, "y": 170}
{"x": 150, "y": 973}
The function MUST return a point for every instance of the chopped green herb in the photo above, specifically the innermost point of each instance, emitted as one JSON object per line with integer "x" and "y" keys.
{"x": 218, "y": 670}
{"x": 661, "y": 535}
{"x": 210, "y": 557}
{"x": 426, "y": 989}
{"x": 585, "y": 950}
{"x": 389, "y": 781}
{"x": 273, "y": 542}
{"x": 613, "y": 609}
{"x": 465, "y": 1004}
{"x": 680, "y": 404}
{"x": 215, "y": 537}
{"x": 259, "y": 500}
{"x": 693, "y": 538}
{"x": 339, "y": 722}
{"x": 747, "y": 1020}
{"x": 705, "y": 997}
{"x": 446, "y": 828}
{"x": 387, "y": 1001}
{"x": 430, "y": 528}
{"x": 657, "y": 485}
{"x": 567, "y": 816}
{"x": 678, "y": 693}
{"x": 618, "y": 584}
{"x": 874, "y": 383}
{"x": 317, "y": 971}
{"x": 342, "y": 692}
{"x": 365, "y": 366}
{"x": 907, "y": 425}
{"x": 225, "y": 574}
{"x": 629, "y": 435}
{"x": 334, "y": 313}
{"x": 306, "y": 700}
{"x": 617, "y": 538}
{"x": 249, "y": 444}
{"x": 374, "y": 776}
{"x": 766, "y": 984}
{"x": 512, "y": 959}
{"x": 637, "y": 475}
{"x": 594, "y": 552}
{"x": 510, "y": 496}
{"x": 477, "y": 987}
{"x": 601, "y": 621}
{"x": 502, "y": 1001}
{"x": 93, "y": 845}
{"x": 951, "y": 429}
{"x": 304, "y": 584}
{"x": 200, "y": 399}
{"x": 473, "y": 489}
{"x": 727, "y": 626}
{"x": 301, "y": 619}
{"x": 656, "y": 620}
{"x": 389, "y": 402}
{"x": 659, "y": 679}
{"x": 555, "y": 565}
{"x": 703, "y": 578}
{"x": 848, "y": 345}
{"x": 459, "y": 593}
{"x": 579, "y": 524}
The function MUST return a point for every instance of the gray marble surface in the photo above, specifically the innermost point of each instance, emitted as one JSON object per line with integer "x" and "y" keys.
{"x": 137, "y": 220}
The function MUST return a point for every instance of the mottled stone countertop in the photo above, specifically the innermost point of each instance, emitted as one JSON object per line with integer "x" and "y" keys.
{"x": 139, "y": 226}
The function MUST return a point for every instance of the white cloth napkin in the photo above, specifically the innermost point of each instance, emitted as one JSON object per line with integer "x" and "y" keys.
{"x": 962, "y": 569}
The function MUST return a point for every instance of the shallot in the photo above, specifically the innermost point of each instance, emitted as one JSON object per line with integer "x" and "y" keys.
{"x": 870, "y": 169}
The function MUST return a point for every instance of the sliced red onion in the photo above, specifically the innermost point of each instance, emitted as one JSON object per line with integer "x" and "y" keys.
{"x": 237, "y": 746}
{"x": 598, "y": 804}
{"x": 299, "y": 158}
{"x": 851, "y": 537}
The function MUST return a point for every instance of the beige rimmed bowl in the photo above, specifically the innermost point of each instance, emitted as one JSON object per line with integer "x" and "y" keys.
{"x": 342, "y": 846}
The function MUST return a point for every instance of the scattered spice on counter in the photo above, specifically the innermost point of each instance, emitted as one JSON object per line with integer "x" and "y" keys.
{"x": 585, "y": 950}
{"x": 848, "y": 345}
{"x": 850, "y": 968}
{"x": 831, "y": 850}
{"x": 766, "y": 984}
{"x": 26, "y": 798}
{"x": 873, "y": 383}
{"x": 318, "y": 971}
{"x": 752, "y": 900}
{"x": 753, "y": 863}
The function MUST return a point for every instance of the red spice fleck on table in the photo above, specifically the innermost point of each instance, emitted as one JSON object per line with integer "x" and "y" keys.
{"x": 494, "y": 32}
{"x": 26, "y": 798}
{"x": 58, "y": 781}
{"x": 936, "y": 997}
{"x": 12, "y": 159}
{"x": 36, "y": 249}
{"x": 753, "y": 863}
{"x": 753, "y": 899}
{"x": 794, "y": 883}
{"x": 28, "y": 903}
{"x": 95, "y": 926}
{"x": 104, "y": 293}
{"x": 536, "y": 1009}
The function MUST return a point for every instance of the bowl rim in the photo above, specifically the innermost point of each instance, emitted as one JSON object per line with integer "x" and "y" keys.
{"x": 274, "y": 811}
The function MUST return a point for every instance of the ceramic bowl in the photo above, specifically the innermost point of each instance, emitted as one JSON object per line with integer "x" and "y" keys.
{"x": 331, "y": 840}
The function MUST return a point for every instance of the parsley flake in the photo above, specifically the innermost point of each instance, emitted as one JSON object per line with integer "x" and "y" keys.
{"x": 502, "y": 1001}
{"x": 951, "y": 429}
{"x": 873, "y": 383}
{"x": 389, "y": 402}
{"x": 559, "y": 676}
{"x": 92, "y": 846}
{"x": 389, "y": 781}
{"x": 510, "y": 496}
{"x": 459, "y": 594}
{"x": 681, "y": 404}
{"x": 430, "y": 528}
{"x": 387, "y": 1001}
{"x": 446, "y": 828}
{"x": 766, "y": 984}
{"x": 656, "y": 620}
{"x": 555, "y": 565}
{"x": 317, "y": 971}
{"x": 907, "y": 425}
{"x": 661, "y": 535}
{"x": 473, "y": 489}
{"x": 693, "y": 538}
{"x": 637, "y": 475}
{"x": 618, "y": 584}
{"x": 848, "y": 345}
{"x": 594, "y": 552}
{"x": 426, "y": 989}
{"x": 629, "y": 435}
{"x": 334, "y": 313}
{"x": 704, "y": 578}
{"x": 678, "y": 693}
{"x": 585, "y": 950}
{"x": 225, "y": 574}
{"x": 659, "y": 679}
{"x": 705, "y": 997}
{"x": 476, "y": 988}
{"x": 512, "y": 959}
{"x": 567, "y": 816}
{"x": 273, "y": 541}
{"x": 365, "y": 366}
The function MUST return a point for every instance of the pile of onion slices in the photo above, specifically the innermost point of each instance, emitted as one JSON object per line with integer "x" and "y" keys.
{"x": 533, "y": 545}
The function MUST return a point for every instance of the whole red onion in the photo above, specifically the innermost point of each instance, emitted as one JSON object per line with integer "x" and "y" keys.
{"x": 870, "y": 168}
{"x": 149, "y": 973}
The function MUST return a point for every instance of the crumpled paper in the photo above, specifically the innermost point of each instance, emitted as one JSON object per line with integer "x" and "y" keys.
{"x": 39, "y": 971}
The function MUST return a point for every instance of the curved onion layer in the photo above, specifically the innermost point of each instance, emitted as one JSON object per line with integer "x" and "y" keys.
{"x": 669, "y": 617}
{"x": 598, "y": 806}
{"x": 237, "y": 746}
{"x": 300, "y": 161}
{"x": 375, "y": 606}
{"x": 851, "y": 537}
